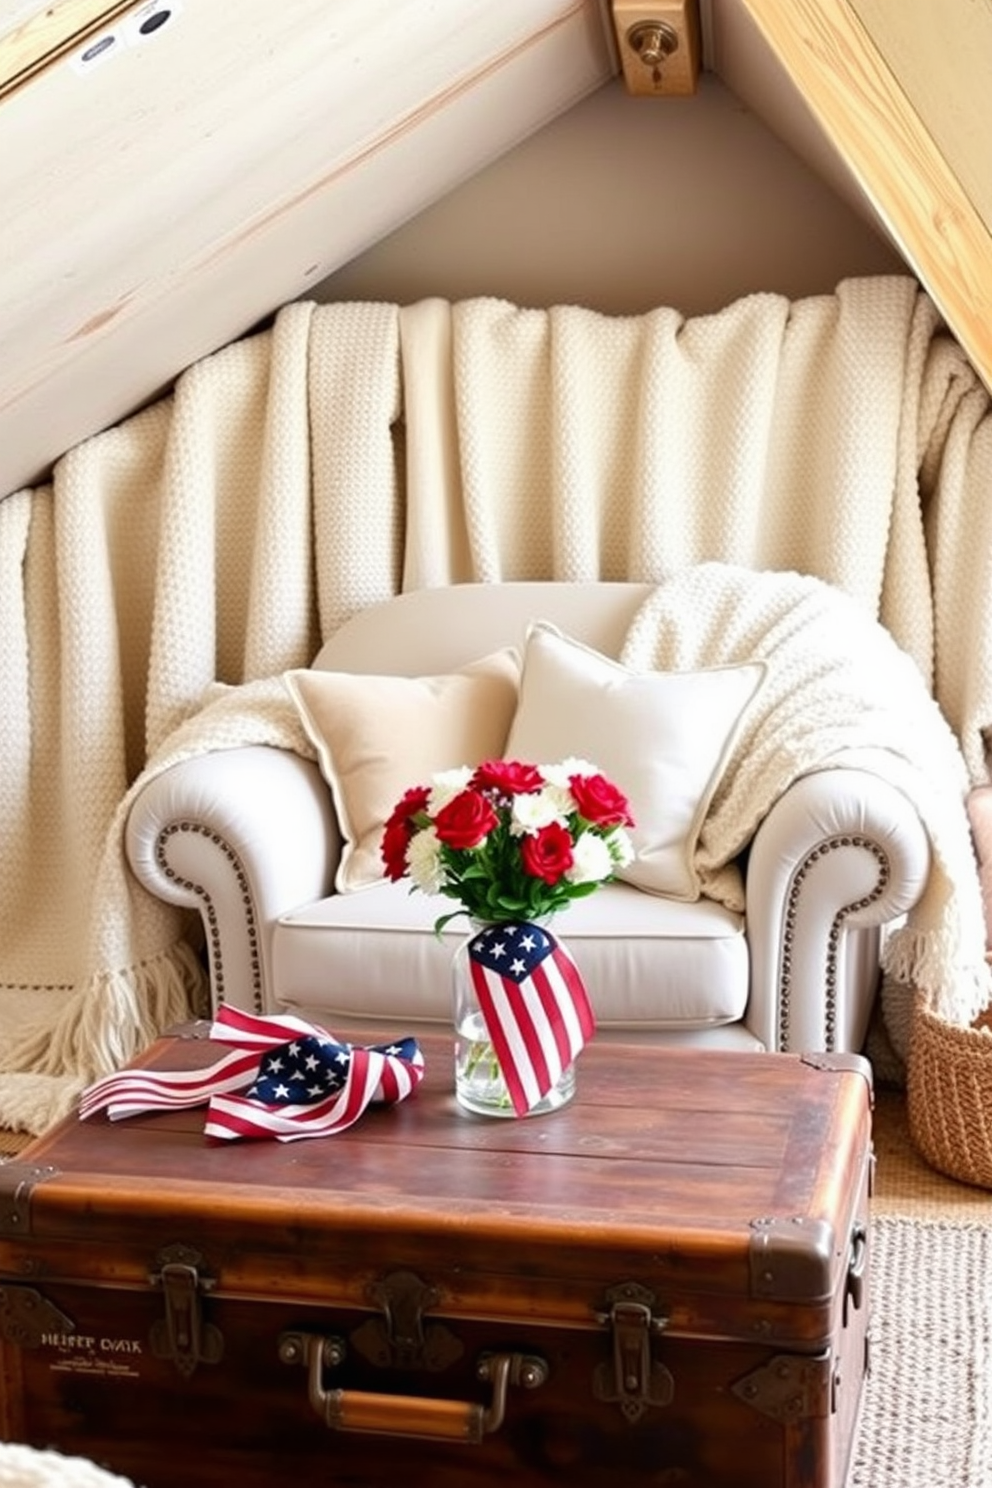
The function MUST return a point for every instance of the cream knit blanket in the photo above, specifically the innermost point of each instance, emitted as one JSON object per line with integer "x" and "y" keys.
{"x": 837, "y": 691}
{"x": 356, "y": 450}
{"x": 30, "y": 1467}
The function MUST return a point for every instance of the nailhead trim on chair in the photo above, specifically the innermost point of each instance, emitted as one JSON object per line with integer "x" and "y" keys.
{"x": 210, "y": 913}
{"x": 785, "y": 980}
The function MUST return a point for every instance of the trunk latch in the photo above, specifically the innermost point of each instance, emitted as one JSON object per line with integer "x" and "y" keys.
{"x": 402, "y": 1337}
{"x": 633, "y": 1379}
{"x": 182, "y": 1335}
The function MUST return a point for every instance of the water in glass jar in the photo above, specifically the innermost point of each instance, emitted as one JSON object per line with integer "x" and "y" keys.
{"x": 479, "y": 1083}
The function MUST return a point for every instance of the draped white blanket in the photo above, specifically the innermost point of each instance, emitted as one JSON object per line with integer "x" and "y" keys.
{"x": 837, "y": 691}
{"x": 356, "y": 450}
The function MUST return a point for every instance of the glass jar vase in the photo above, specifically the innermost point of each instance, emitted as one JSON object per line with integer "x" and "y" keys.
{"x": 499, "y": 1021}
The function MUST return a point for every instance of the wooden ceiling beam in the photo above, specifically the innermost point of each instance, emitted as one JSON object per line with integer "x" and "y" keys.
{"x": 864, "y": 110}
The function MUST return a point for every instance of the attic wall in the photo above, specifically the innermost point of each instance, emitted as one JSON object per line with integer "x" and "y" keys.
{"x": 626, "y": 203}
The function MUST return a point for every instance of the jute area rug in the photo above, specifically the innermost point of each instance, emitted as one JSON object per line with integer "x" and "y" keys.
{"x": 927, "y": 1414}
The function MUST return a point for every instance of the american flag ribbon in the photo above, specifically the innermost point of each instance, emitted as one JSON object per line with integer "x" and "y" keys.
{"x": 534, "y": 1005}
{"x": 284, "y": 1078}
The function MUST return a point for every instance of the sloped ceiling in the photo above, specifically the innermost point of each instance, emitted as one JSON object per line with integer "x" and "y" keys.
{"x": 164, "y": 193}
{"x": 176, "y": 169}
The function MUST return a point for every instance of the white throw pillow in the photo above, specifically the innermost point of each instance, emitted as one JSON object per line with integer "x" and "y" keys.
{"x": 663, "y": 738}
{"x": 376, "y": 737}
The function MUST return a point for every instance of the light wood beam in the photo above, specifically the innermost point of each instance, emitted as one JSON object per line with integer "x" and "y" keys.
{"x": 863, "y": 108}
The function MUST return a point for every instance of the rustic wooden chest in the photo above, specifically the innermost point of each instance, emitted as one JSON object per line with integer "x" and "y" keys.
{"x": 666, "y": 1282}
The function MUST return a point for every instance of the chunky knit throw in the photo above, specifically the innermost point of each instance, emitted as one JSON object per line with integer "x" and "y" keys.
{"x": 352, "y": 451}
{"x": 30, "y": 1467}
{"x": 837, "y": 691}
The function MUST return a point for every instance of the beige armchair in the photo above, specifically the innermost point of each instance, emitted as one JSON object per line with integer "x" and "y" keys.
{"x": 252, "y": 839}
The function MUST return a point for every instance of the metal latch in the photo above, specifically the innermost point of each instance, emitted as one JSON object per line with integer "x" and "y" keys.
{"x": 633, "y": 1380}
{"x": 182, "y": 1335}
{"x": 401, "y": 1338}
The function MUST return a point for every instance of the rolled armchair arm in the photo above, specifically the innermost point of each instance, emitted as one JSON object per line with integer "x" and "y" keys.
{"x": 841, "y": 854}
{"x": 241, "y": 836}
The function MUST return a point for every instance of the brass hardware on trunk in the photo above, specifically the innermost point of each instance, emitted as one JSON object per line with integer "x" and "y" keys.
{"x": 633, "y": 1380}
{"x": 182, "y": 1335}
{"x": 17, "y": 1179}
{"x": 857, "y": 1269}
{"x": 294, "y": 1348}
{"x": 790, "y": 1387}
{"x": 400, "y": 1338}
{"x": 834, "y": 1063}
{"x": 414, "y": 1416}
{"x": 792, "y": 1259}
{"x": 26, "y": 1317}
{"x": 194, "y": 1028}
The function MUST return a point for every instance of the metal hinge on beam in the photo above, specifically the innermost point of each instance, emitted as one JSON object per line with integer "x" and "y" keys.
{"x": 658, "y": 42}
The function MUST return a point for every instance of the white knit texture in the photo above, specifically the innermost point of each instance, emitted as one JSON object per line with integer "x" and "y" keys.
{"x": 837, "y": 691}
{"x": 34, "y": 1467}
{"x": 353, "y": 450}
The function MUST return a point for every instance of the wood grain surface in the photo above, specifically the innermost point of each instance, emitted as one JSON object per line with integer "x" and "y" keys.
{"x": 662, "y": 1177}
{"x": 854, "y": 87}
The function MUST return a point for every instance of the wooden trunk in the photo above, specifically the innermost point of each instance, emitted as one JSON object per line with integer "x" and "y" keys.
{"x": 666, "y": 1282}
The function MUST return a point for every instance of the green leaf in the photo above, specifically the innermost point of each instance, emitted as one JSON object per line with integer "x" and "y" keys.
{"x": 446, "y": 919}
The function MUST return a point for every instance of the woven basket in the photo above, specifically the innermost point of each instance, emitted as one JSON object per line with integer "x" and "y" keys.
{"x": 949, "y": 1095}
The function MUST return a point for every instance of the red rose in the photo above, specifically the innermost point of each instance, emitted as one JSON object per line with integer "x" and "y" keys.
{"x": 395, "y": 840}
{"x": 599, "y": 801}
{"x": 465, "y": 821}
{"x": 547, "y": 854}
{"x": 410, "y": 803}
{"x": 509, "y": 777}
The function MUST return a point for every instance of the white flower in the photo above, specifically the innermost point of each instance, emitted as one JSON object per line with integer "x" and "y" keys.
{"x": 534, "y": 810}
{"x": 423, "y": 861}
{"x": 561, "y": 773}
{"x": 620, "y": 846}
{"x": 446, "y": 785}
{"x": 563, "y": 799}
{"x": 592, "y": 860}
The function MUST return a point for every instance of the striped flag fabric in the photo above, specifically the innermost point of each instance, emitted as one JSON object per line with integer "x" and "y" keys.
{"x": 284, "y": 1079}
{"x": 534, "y": 1005}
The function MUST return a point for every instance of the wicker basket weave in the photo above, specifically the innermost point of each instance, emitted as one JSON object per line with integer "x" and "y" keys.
{"x": 949, "y": 1095}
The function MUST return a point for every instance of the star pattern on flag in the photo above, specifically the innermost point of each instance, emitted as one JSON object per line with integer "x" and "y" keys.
{"x": 283, "y": 1078}
{"x": 513, "y": 950}
{"x": 310, "y": 1068}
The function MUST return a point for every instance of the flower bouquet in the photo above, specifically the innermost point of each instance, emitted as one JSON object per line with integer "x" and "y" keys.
{"x": 512, "y": 843}
{"x": 509, "y": 840}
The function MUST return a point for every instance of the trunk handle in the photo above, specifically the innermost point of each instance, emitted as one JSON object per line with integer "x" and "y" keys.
{"x": 410, "y": 1415}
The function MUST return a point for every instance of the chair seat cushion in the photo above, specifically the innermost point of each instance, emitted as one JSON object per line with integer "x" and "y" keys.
{"x": 649, "y": 964}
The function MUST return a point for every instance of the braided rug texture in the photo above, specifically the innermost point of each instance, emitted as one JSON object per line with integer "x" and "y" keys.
{"x": 927, "y": 1415}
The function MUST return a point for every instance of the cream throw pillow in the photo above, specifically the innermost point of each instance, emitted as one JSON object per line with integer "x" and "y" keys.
{"x": 377, "y": 736}
{"x": 663, "y": 738}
